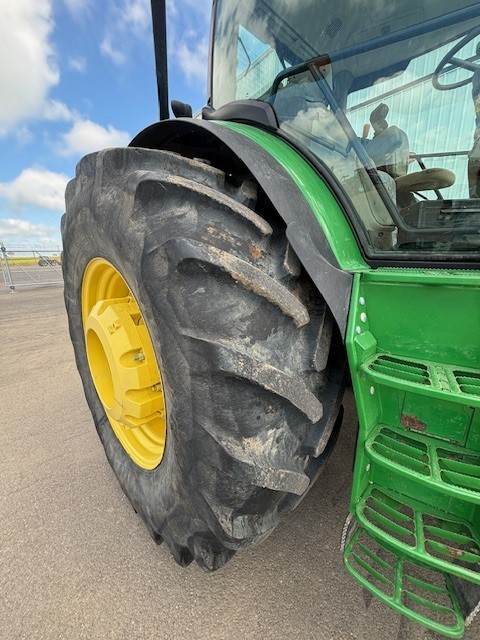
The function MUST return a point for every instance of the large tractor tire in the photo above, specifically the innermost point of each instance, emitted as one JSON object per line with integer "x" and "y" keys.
{"x": 206, "y": 355}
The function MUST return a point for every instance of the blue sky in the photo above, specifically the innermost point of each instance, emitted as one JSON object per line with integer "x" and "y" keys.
{"x": 77, "y": 76}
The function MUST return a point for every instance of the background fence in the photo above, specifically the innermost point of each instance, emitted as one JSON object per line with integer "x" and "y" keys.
{"x": 25, "y": 267}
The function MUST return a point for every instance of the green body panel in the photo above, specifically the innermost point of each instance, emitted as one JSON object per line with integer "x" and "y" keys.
{"x": 416, "y": 311}
{"x": 413, "y": 342}
{"x": 416, "y": 341}
{"x": 324, "y": 206}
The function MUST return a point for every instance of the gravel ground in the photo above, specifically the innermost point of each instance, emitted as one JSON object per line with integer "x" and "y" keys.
{"x": 76, "y": 561}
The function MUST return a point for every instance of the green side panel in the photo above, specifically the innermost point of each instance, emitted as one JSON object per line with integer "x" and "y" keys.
{"x": 324, "y": 206}
{"x": 413, "y": 343}
{"x": 425, "y": 314}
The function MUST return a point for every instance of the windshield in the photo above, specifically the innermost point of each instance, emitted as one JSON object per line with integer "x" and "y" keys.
{"x": 385, "y": 94}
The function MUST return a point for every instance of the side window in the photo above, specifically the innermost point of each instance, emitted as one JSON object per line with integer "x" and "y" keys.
{"x": 257, "y": 64}
{"x": 439, "y": 125}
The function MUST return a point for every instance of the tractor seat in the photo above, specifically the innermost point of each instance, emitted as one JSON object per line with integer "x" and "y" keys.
{"x": 389, "y": 149}
{"x": 425, "y": 180}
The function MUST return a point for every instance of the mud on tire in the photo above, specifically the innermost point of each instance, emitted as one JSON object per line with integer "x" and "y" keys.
{"x": 251, "y": 363}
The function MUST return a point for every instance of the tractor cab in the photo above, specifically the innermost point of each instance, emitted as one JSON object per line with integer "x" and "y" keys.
{"x": 391, "y": 109}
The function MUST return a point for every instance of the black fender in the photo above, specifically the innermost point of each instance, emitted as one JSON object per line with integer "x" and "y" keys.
{"x": 235, "y": 153}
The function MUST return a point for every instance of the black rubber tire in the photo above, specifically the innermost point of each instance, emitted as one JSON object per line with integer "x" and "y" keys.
{"x": 243, "y": 341}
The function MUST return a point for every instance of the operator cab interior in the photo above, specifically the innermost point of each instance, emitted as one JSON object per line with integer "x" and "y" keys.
{"x": 393, "y": 112}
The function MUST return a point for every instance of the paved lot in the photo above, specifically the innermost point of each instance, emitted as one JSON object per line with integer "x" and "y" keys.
{"x": 76, "y": 562}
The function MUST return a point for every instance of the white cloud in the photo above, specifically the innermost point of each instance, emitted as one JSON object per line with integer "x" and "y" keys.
{"x": 15, "y": 230}
{"x": 188, "y": 34}
{"x": 27, "y": 63}
{"x": 108, "y": 49}
{"x": 38, "y": 187}
{"x": 131, "y": 17}
{"x": 172, "y": 8}
{"x": 137, "y": 15}
{"x": 86, "y": 136}
{"x": 77, "y": 7}
{"x": 22, "y": 134}
{"x": 187, "y": 28}
{"x": 57, "y": 110}
{"x": 202, "y": 7}
{"x": 77, "y": 63}
{"x": 192, "y": 57}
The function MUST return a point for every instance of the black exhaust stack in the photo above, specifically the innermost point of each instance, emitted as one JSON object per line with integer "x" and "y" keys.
{"x": 159, "y": 21}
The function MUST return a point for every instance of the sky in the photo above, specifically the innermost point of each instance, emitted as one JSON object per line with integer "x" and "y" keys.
{"x": 77, "y": 76}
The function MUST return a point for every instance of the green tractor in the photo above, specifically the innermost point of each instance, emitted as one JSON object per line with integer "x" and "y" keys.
{"x": 227, "y": 275}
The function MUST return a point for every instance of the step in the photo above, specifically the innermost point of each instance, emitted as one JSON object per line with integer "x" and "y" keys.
{"x": 416, "y": 591}
{"x": 446, "y": 382}
{"x": 441, "y": 540}
{"x": 451, "y": 469}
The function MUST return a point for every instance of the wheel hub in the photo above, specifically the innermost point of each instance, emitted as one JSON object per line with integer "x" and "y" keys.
{"x": 123, "y": 364}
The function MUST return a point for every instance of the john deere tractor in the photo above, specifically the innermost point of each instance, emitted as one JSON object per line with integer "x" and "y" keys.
{"x": 319, "y": 221}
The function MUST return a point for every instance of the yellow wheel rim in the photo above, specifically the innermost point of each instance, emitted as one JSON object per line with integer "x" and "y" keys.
{"x": 123, "y": 365}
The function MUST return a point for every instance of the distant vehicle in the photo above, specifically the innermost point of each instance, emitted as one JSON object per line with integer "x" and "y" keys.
{"x": 45, "y": 261}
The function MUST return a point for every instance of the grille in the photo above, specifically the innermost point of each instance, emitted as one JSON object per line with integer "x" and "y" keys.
{"x": 334, "y": 27}
{"x": 403, "y": 369}
{"x": 468, "y": 382}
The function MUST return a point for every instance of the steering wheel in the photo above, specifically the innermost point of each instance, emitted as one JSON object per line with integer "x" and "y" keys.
{"x": 456, "y": 62}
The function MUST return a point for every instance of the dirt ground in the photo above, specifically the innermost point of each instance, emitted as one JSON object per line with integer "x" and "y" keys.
{"x": 76, "y": 561}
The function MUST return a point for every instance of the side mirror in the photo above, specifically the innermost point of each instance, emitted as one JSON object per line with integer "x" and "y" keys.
{"x": 181, "y": 109}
